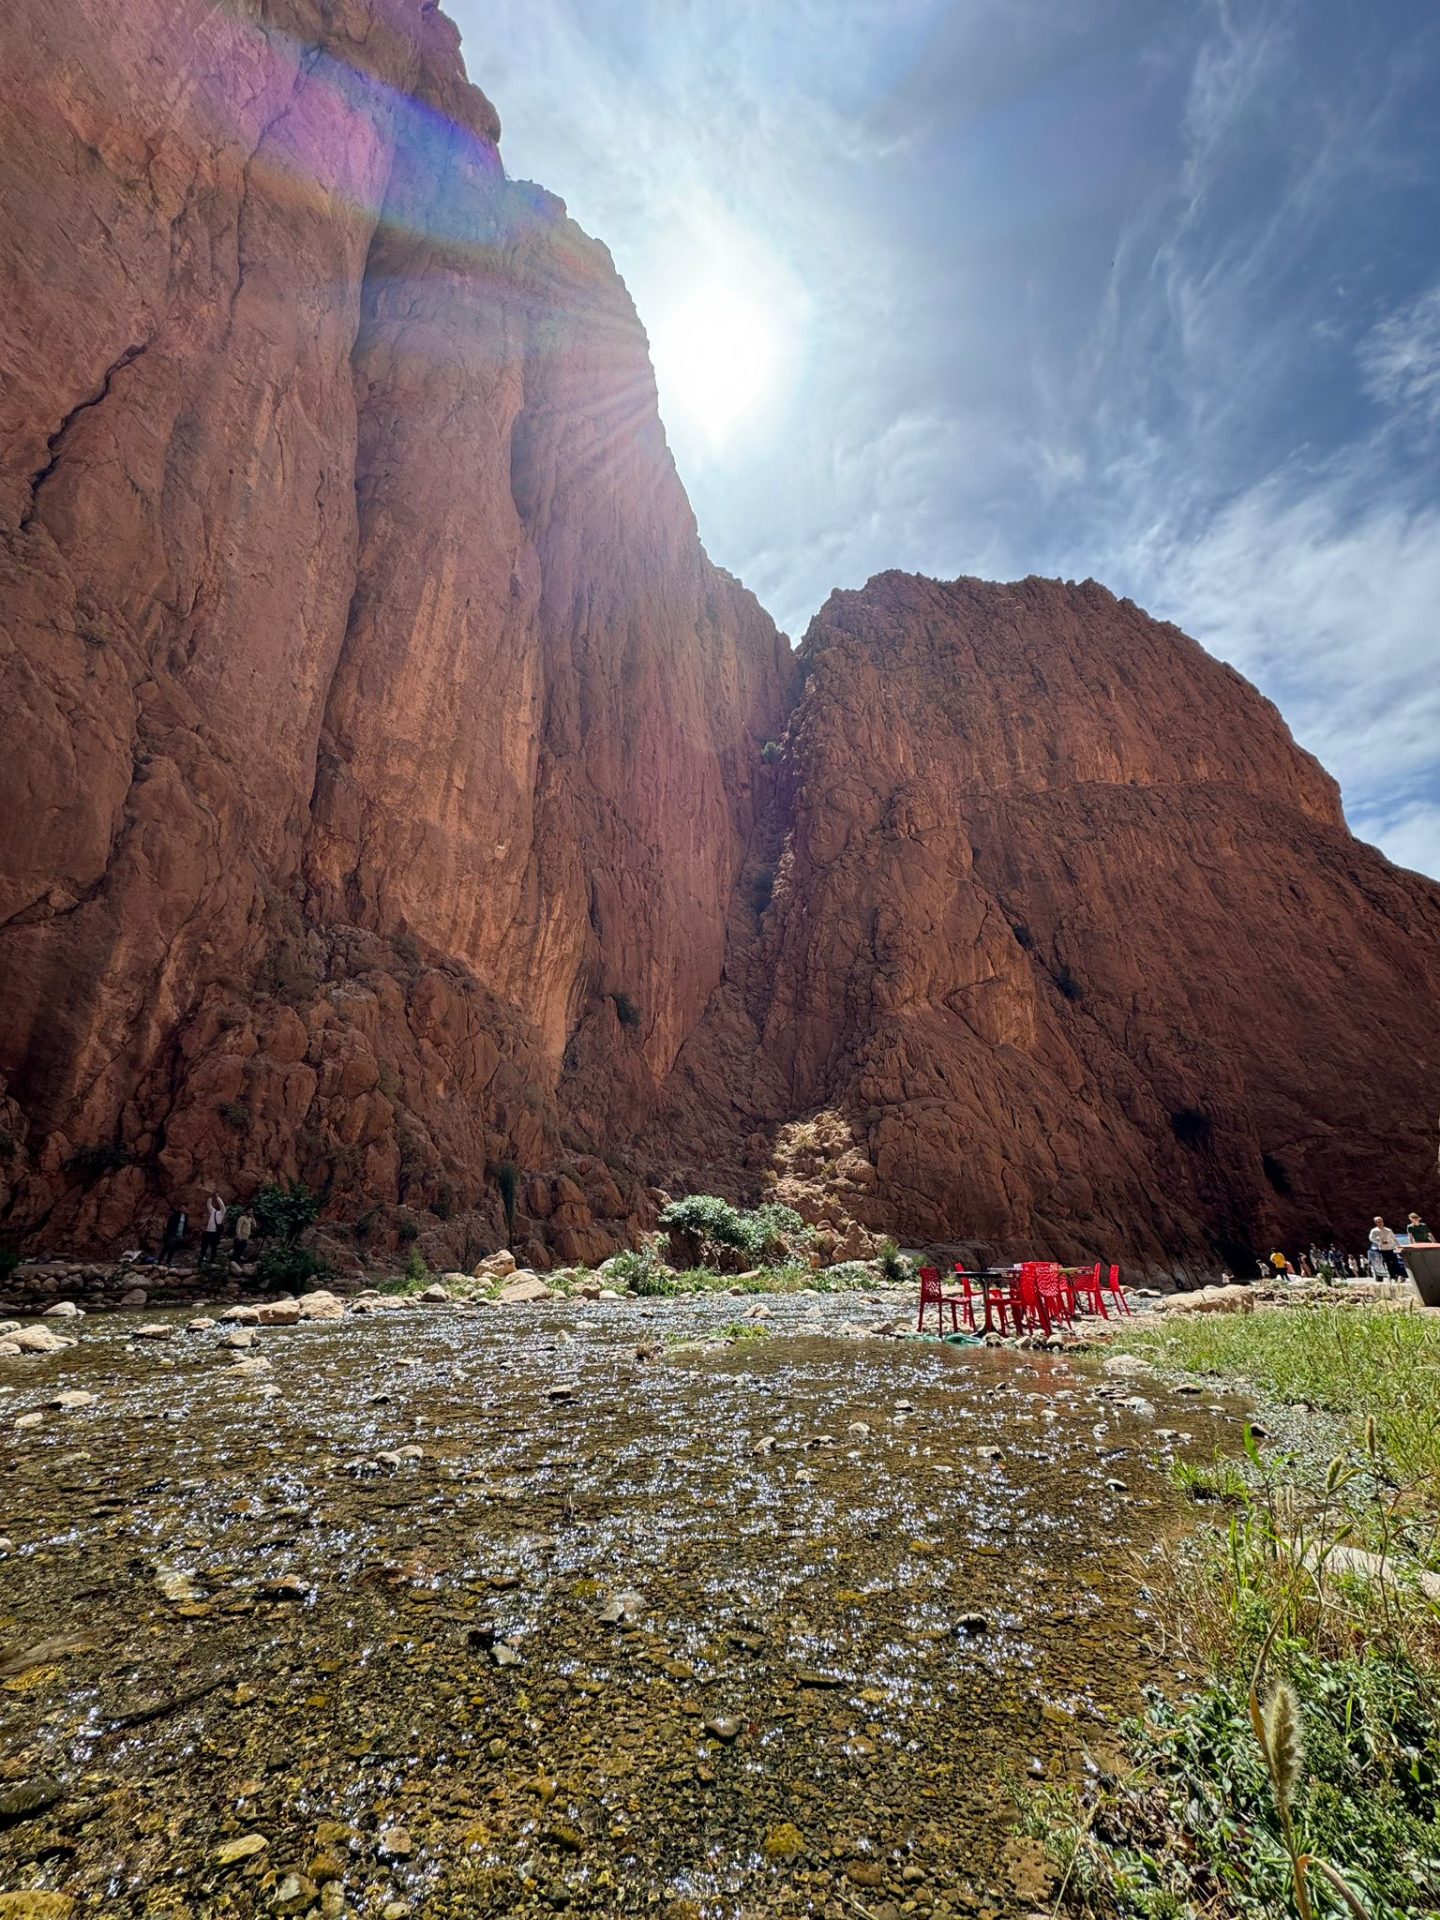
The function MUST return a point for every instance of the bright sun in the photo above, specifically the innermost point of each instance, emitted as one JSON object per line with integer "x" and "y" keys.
{"x": 717, "y": 361}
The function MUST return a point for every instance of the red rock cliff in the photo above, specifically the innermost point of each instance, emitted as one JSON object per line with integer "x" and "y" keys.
{"x": 383, "y": 800}
{"x": 1067, "y": 946}
{"x": 381, "y": 745}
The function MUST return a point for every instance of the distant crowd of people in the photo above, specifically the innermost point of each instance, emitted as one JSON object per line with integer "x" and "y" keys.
{"x": 1382, "y": 1259}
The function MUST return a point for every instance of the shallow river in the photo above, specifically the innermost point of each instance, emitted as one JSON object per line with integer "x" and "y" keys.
{"x": 681, "y": 1644}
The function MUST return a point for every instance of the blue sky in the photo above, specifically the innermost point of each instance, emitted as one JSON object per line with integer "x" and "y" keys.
{"x": 1147, "y": 290}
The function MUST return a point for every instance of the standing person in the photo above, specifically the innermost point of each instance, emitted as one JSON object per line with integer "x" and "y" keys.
{"x": 176, "y": 1228}
{"x": 1418, "y": 1229}
{"x": 1385, "y": 1251}
{"x": 1280, "y": 1265}
{"x": 214, "y": 1223}
{"x": 244, "y": 1227}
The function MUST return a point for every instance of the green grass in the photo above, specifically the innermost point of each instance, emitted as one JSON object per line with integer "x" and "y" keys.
{"x": 1357, "y": 1362}
{"x": 1205, "y": 1820}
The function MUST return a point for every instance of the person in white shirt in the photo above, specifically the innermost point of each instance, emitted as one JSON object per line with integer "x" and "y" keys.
{"x": 214, "y": 1222}
{"x": 1385, "y": 1250}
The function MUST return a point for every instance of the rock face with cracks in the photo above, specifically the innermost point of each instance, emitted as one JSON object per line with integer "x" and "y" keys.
{"x": 385, "y": 803}
{"x": 1065, "y": 947}
{"x": 390, "y": 746}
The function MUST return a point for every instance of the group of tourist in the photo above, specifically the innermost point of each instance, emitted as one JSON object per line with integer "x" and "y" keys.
{"x": 177, "y": 1232}
{"x": 1382, "y": 1259}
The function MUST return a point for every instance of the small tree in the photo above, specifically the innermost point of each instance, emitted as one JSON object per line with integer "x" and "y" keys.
{"x": 285, "y": 1211}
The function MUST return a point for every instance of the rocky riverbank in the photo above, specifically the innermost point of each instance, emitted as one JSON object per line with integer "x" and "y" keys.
{"x": 712, "y": 1604}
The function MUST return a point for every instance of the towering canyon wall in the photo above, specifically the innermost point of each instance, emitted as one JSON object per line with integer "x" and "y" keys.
{"x": 1069, "y": 945}
{"x": 381, "y": 746}
{"x": 383, "y": 800}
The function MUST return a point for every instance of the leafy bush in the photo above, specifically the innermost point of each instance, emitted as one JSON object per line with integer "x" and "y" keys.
{"x": 237, "y": 1114}
{"x": 702, "y": 1224}
{"x": 285, "y": 1263}
{"x": 284, "y": 1211}
{"x": 893, "y": 1264}
{"x": 777, "y": 1230}
{"x": 642, "y": 1269}
{"x": 850, "y": 1276}
{"x": 771, "y": 752}
{"x": 416, "y": 1268}
{"x": 705, "y": 1230}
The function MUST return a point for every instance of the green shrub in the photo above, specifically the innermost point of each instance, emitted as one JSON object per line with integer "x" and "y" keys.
{"x": 642, "y": 1269}
{"x": 285, "y": 1210}
{"x": 705, "y": 1229}
{"x": 416, "y": 1268}
{"x": 777, "y": 1231}
{"x": 893, "y": 1264}
{"x": 285, "y": 1263}
{"x": 850, "y": 1276}
{"x": 771, "y": 752}
{"x": 702, "y": 1224}
{"x": 236, "y": 1114}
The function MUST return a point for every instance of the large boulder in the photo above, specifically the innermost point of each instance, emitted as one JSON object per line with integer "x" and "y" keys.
{"x": 321, "y": 1305}
{"x": 496, "y": 1266}
{"x": 38, "y": 1340}
{"x": 523, "y": 1288}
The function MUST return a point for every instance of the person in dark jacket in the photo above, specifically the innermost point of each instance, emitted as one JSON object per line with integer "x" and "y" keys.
{"x": 176, "y": 1228}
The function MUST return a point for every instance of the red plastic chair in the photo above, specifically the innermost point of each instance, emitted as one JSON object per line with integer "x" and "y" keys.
{"x": 1089, "y": 1290}
{"x": 1117, "y": 1292}
{"x": 933, "y": 1294}
{"x": 1054, "y": 1296}
{"x": 1027, "y": 1305}
{"x": 998, "y": 1304}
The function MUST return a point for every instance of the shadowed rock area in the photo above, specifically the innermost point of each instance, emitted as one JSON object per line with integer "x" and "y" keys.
{"x": 387, "y": 800}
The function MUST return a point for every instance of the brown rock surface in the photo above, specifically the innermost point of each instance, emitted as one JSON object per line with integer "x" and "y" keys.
{"x": 1069, "y": 948}
{"x": 386, "y": 806}
{"x": 389, "y": 743}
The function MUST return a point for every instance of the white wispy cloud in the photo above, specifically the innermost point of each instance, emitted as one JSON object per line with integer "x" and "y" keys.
{"x": 1087, "y": 290}
{"x": 1400, "y": 361}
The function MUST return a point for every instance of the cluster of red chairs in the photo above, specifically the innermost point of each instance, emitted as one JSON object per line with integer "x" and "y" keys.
{"x": 1037, "y": 1294}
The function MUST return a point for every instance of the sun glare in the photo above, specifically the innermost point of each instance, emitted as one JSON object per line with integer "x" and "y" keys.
{"x": 717, "y": 355}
